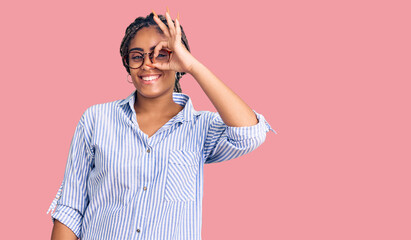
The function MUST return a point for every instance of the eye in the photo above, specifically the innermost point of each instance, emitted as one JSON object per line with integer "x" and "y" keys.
{"x": 136, "y": 56}
{"x": 163, "y": 55}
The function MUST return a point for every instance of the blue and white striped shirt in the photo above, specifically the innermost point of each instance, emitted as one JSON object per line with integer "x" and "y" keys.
{"x": 121, "y": 184}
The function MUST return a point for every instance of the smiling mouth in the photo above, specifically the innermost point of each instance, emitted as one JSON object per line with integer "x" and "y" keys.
{"x": 150, "y": 78}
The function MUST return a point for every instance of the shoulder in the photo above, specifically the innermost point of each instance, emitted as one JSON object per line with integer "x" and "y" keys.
{"x": 99, "y": 110}
{"x": 190, "y": 112}
{"x": 206, "y": 115}
{"x": 101, "y": 107}
{"x": 207, "y": 119}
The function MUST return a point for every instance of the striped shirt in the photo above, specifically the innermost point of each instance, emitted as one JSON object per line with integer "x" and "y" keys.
{"x": 121, "y": 184}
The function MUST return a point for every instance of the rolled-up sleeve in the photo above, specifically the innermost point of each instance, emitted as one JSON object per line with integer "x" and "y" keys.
{"x": 71, "y": 200}
{"x": 224, "y": 142}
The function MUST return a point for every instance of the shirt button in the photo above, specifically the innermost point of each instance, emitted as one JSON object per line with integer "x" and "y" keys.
{"x": 144, "y": 188}
{"x": 148, "y": 150}
{"x": 138, "y": 230}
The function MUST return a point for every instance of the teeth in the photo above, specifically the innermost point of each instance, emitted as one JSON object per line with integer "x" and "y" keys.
{"x": 150, "y": 78}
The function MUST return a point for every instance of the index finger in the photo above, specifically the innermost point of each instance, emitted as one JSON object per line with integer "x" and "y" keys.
{"x": 178, "y": 27}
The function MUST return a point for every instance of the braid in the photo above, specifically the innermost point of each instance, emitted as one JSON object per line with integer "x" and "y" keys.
{"x": 131, "y": 32}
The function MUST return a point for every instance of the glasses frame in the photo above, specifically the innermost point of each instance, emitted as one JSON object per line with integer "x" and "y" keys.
{"x": 150, "y": 56}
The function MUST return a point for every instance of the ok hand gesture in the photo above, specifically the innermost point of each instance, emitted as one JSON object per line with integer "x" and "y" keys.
{"x": 181, "y": 59}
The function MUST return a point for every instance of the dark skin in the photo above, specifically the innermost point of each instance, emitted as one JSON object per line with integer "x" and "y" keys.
{"x": 150, "y": 122}
{"x": 62, "y": 232}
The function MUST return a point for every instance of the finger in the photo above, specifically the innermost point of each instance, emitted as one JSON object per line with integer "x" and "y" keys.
{"x": 160, "y": 45}
{"x": 178, "y": 27}
{"x": 150, "y": 65}
{"x": 154, "y": 13}
{"x": 162, "y": 26}
{"x": 170, "y": 24}
{"x": 161, "y": 66}
{"x": 170, "y": 20}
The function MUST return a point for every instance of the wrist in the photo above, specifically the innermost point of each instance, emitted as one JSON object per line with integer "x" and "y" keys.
{"x": 194, "y": 67}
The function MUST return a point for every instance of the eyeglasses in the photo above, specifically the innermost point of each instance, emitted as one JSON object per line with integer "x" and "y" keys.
{"x": 135, "y": 59}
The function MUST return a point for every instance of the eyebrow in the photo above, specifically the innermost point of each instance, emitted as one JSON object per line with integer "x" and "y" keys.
{"x": 140, "y": 49}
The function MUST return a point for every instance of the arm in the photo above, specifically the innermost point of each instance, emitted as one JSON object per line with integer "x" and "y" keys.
{"x": 61, "y": 232}
{"x": 71, "y": 200}
{"x": 232, "y": 109}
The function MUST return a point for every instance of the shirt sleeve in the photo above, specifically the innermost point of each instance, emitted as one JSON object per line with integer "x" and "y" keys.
{"x": 71, "y": 200}
{"x": 224, "y": 142}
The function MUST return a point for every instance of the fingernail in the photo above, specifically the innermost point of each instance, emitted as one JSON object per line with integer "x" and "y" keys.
{"x": 154, "y": 13}
{"x": 168, "y": 10}
{"x": 178, "y": 16}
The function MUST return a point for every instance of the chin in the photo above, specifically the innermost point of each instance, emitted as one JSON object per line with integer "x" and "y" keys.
{"x": 153, "y": 94}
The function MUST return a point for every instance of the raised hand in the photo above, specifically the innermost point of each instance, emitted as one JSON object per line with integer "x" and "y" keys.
{"x": 181, "y": 59}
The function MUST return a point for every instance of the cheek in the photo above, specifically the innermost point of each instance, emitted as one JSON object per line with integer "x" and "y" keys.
{"x": 133, "y": 74}
{"x": 170, "y": 77}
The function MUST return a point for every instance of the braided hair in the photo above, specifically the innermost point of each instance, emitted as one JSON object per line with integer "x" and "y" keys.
{"x": 140, "y": 23}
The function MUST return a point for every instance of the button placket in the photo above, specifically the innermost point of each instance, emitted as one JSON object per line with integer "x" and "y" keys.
{"x": 148, "y": 151}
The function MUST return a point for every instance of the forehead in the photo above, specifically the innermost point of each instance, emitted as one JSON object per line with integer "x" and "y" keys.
{"x": 146, "y": 38}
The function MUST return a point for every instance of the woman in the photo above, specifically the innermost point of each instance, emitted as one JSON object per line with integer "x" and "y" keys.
{"x": 135, "y": 166}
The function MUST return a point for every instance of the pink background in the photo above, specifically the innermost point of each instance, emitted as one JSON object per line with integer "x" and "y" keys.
{"x": 331, "y": 77}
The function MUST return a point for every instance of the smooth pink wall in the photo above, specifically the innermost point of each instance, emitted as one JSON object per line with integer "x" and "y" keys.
{"x": 331, "y": 77}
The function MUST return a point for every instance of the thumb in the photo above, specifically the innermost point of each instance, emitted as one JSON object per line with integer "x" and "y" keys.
{"x": 161, "y": 66}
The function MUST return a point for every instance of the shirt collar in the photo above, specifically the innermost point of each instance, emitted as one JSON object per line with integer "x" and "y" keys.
{"x": 187, "y": 114}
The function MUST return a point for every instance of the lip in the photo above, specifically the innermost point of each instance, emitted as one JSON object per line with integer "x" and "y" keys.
{"x": 149, "y": 82}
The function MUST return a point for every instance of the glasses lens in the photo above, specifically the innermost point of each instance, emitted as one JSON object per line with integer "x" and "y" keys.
{"x": 135, "y": 59}
{"x": 163, "y": 56}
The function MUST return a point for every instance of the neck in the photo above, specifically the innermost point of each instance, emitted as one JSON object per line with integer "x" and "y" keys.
{"x": 162, "y": 105}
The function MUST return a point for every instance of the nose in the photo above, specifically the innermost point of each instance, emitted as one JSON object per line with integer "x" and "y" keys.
{"x": 146, "y": 60}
